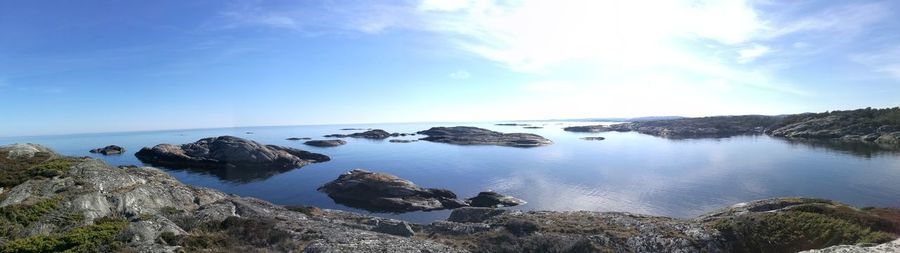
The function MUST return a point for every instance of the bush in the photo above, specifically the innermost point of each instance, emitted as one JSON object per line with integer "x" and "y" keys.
{"x": 94, "y": 238}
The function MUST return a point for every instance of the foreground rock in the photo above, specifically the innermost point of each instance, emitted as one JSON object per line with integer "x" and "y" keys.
{"x": 379, "y": 192}
{"x": 325, "y": 143}
{"x": 376, "y": 134}
{"x": 228, "y": 152}
{"x": 109, "y": 150}
{"x": 889, "y": 247}
{"x": 89, "y": 206}
{"x": 462, "y": 135}
{"x": 493, "y": 199}
{"x": 93, "y": 207}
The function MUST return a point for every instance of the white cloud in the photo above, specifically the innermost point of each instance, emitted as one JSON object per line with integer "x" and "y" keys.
{"x": 460, "y": 74}
{"x": 749, "y": 54}
{"x": 885, "y": 61}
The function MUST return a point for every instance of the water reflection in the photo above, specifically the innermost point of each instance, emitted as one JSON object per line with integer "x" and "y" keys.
{"x": 232, "y": 175}
{"x": 856, "y": 148}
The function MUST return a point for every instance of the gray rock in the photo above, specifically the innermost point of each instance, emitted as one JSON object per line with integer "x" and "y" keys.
{"x": 23, "y": 151}
{"x": 474, "y": 214}
{"x": 379, "y": 192}
{"x": 228, "y": 152}
{"x": 593, "y": 138}
{"x": 588, "y": 129}
{"x": 888, "y": 247}
{"x": 394, "y": 227}
{"x": 493, "y": 199}
{"x": 402, "y": 141}
{"x": 462, "y": 135}
{"x": 298, "y": 138}
{"x": 325, "y": 143}
{"x": 109, "y": 150}
{"x": 533, "y": 127}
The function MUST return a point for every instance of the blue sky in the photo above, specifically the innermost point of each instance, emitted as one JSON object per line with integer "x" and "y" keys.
{"x": 96, "y": 66}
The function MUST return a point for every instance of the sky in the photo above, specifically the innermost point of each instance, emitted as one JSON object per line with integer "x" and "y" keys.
{"x": 104, "y": 66}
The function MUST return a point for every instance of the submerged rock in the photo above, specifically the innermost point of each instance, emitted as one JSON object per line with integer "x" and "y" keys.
{"x": 402, "y": 141}
{"x": 298, "y": 138}
{"x": 463, "y": 135}
{"x": 493, "y": 199}
{"x": 379, "y": 192}
{"x": 325, "y": 143}
{"x": 228, "y": 152}
{"x": 593, "y": 138}
{"x": 376, "y": 134}
{"x": 109, "y": 150}
{"x": 533, "y": 127}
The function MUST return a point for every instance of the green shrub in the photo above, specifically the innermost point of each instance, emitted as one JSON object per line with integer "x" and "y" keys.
{"x": 99, "y": 237}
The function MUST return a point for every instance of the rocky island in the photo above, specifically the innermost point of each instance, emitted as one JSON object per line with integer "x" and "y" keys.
{"x": 379, "y": 192}
{"x": 228, "y": 152}
{"x": 376, "y": 134}
{"x": 109, "y": 150}
{"x": 52, "y": 203}
{"x": 876, "y": 126}
{"x": 463, "y": 135}
{"x": 325, "y": 143}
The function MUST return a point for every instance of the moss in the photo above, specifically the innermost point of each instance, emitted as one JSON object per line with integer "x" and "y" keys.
{"x": 16, "y": 171}
{"x": 803, "y": 227}
{"x": 99, "y": 237}
{"x": 307, "y": 210}
{"x": 15, "y": 218}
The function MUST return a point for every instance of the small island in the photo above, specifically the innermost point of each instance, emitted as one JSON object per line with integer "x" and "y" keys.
{"x": 464, "y": 135}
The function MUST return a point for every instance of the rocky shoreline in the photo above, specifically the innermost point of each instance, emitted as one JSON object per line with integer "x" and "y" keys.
{"x": 874, "y": 126}
{"x": 57, "y": 203}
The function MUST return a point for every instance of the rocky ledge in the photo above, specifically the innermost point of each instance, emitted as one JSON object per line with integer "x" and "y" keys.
{"x": 228, "y": 152}
{"x": 325, "y": 143}
{"x": 109, "y": 150}
{"x": 51, "y": 203}
{"x": 463, "y": 135}
{"x": 379, "y": 192}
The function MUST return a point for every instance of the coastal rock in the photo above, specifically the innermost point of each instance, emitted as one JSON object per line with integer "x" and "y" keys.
{"x": 376, "y": 134}
{"x": 298, "y": 138}
{"x": 474, "y": 214}
{"x": 889, "y": 247}
{"x": 109, "y": 150}
{"x": 463, "y": 135}
{"x": 493, "y": 199}
{"x": 379, "y": 192}
{"x": 398, "y": 228}
{"x": 402, "y": 141}
{"x": 533, "y": 127}
{"x": 325, "y": 143}
{"x": 593, "y": 138}
{"x": 511, "y": 124}
{"x": 25, "y": 151}
{"x": 228, "y": 152}
{"x": 588, "y": 129}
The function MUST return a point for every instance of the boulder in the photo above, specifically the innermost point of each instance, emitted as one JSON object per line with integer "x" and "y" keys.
{"x": 228, "y": 152}
{"x": 493, "y": 199}
{"x": 109, "y": 150}
{"x": 463, "y": 135}
{"x": 325, "y": 143}
{"x": 380, "y": 192}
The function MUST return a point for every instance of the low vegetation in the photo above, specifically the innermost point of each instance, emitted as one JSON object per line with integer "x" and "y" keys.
{"x": 102, "y": 236}
{"x": 807, "y": 226}
{"x": 42, "y": 165}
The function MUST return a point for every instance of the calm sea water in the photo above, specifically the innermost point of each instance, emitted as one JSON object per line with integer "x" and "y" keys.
{"x": 627, "y": 172}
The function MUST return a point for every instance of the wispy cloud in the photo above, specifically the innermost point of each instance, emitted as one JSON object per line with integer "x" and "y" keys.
{"x": 749, "y": 54}
{"x": 883, "y": 60}
{"x": 460, "y": 74}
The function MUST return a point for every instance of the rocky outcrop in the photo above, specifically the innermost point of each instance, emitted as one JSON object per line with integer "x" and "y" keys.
{"x": 143, "y": 209}
{"x": 376, "y": 134}
{"x": 109, "y": 150}
{"x": 889, "y": 247}
{"x": 298, "y": 138}
{"x": 533, "y": 127}
{"x": 879, "y": 126}
{"x": 493, "y": 199}
{"x": 511, "y": 124}
{"x": 228, "y": 152}
{"x": 96, "y": 207}
{"x": 379, "y": 192}
{"x": 325, "y": 143}
{"x": 402, "y": 141}
{"x": 593, "y": 138}
{"x": 462, "y": 135}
